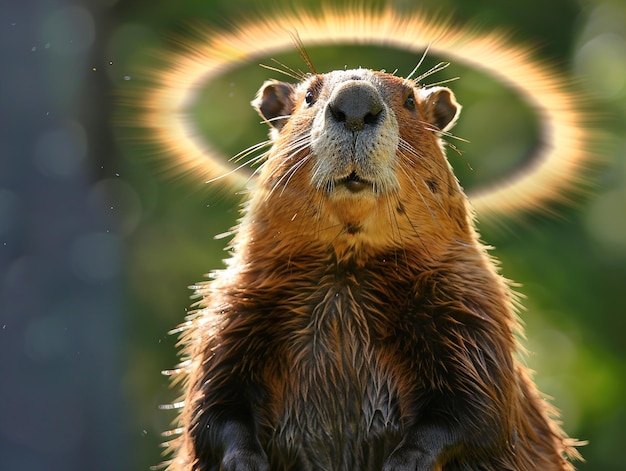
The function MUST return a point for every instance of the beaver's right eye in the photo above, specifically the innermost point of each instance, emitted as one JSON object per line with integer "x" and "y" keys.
{"x": 309, "y": 97}
{"x": 409, "y": 103}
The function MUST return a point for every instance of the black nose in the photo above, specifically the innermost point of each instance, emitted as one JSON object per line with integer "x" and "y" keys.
{"x": 356, "y": 104}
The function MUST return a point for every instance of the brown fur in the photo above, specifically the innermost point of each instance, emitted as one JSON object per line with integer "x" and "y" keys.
{"x": 359, "y": 324}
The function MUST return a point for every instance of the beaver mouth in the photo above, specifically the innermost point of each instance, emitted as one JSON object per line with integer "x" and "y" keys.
{"x": 354, "y": 183}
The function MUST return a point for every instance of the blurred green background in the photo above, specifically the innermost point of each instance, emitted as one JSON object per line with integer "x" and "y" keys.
{"x": 98, "y": 243}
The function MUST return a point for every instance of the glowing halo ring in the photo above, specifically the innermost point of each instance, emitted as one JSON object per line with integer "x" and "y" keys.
{"x": 555, "y": 169}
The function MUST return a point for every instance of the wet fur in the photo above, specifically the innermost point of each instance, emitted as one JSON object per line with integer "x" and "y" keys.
{"x": 365, "y": 330}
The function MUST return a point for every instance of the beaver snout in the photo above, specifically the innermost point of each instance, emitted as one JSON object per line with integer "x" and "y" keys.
{"x": 354, "y": 136}
{"x": 356, "y": 104}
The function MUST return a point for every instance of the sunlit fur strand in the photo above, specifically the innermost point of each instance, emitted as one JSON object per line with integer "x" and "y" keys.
{"x": 250, "y": 151}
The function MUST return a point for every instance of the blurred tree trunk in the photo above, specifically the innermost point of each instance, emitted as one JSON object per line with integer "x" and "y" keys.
{"x": 61, "y": 310}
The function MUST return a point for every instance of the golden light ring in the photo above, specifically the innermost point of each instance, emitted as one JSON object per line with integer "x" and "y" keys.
{"x": 556, "y": 169}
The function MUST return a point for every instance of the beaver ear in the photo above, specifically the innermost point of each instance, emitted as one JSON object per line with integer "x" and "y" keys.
{"x": 440, "y": 107}
{"x": 274, "y": 102}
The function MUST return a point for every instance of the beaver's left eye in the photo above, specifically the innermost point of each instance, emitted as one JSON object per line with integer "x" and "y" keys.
{"x": 409, "y": 103}
{"x": 309, "y": 97}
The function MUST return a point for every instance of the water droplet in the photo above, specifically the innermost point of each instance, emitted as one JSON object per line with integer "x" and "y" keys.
{"x": 126, "y": 77}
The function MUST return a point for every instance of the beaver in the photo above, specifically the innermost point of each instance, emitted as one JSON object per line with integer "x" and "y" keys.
{"x": 359, "y": 322}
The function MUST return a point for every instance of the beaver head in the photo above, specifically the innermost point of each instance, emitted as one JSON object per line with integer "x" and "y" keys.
{"x": 359, "y": 153}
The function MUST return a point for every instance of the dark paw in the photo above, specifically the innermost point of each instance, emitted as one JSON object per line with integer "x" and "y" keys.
{"x": 245, "y": 460}
{"x": 405, "y": 458}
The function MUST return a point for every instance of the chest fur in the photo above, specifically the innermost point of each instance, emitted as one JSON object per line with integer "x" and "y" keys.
{"x": 337, "y": 395}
